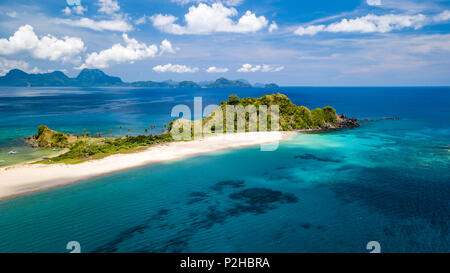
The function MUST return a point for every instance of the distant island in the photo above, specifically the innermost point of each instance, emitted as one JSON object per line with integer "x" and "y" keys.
{"x": 98, "y": 78}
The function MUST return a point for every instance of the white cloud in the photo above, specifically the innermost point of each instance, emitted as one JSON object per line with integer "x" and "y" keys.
{"x": 205, "y": 19}
{"x": 249, "y": 68}
{"x": 117, "y": 24}
{"x": 117, "y": 21}
{"x": 273, "y": 27}
{"x": 214, "y": 69}
{"x": 176, "y": 68}
{"x": 374, "y": 2}
{"x": 443, "y": 16}
{"x": 48, "y": 47}
{"x": 374, "y": 23}
{"x": 79, "y": 10}
{"x": 225, "y": 2}
{"x": 108, "y": 6}
{"x": 67, "y": 11}
{"x": 309, "y": 30}
{"x": 131, "y": 52}
{"x": 246, "y": 68}
{"x": 396, "y": 54}
{"x": 73, "y": 2}
{"x": 141, "y": 20}
{"x": 75, "y": 9}
{"x": 232, "y": 2}
{"x": 6, "y": 65}
{"x": 268, "y": 68}
{"x": 367, "y": 24}
{"x": 12, "y": 14}
{"x": 166, "y": 46}
{"x": 183, "y": 2}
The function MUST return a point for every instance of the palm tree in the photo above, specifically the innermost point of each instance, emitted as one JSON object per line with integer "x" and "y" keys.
{"x": 88, "y": 134}
{"x": 146, "y": 131}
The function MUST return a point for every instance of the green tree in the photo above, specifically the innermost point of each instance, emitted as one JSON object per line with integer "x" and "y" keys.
{"x": 233, "y": 99}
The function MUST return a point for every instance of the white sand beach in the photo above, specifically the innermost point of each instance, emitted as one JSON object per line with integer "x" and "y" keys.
{"x": 26, "y": 178}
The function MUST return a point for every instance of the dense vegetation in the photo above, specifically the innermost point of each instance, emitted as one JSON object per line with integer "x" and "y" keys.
{"x": 291, "y": 117}
{"x": 225, "y": 83}
{"x": 84, "y": 147}
{"x": 87, "y": 149}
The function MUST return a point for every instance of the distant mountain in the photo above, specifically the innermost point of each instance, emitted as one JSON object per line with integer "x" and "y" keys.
{"x": 271, "y": 86}
{"x": 96, "y": 78}
{"x": 187, "y": 84}
{"x": 244, "y": 81}
{"x": 205, "y": 83}
{"x": 17, "y": 77}
{"x": 150, "y": 84}
{"x": 170, "y": 82}
{"x": 87, "y": 77}
{"x": 225, "y": 83}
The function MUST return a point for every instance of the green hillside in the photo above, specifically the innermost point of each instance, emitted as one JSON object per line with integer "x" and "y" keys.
{"x": 84, "y": 146}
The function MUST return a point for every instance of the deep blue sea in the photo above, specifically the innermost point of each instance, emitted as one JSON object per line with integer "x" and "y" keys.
{"x": 387, "y": 181}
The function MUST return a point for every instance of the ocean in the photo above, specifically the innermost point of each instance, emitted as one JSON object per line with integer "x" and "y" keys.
{"x": 387, "y": 181}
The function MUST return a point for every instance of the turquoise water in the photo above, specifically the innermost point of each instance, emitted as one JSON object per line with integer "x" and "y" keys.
{"x": 387, "y": 181}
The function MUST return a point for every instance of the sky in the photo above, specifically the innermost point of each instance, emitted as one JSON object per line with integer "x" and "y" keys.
{"x": 291, "y": 43}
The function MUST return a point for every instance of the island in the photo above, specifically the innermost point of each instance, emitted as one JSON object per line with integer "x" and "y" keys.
{"x": 98, "y": 78}
{"x": 85, "y": 155}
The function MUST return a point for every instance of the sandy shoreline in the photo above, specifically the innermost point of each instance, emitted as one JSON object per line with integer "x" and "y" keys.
{"x": 24, "y": 179}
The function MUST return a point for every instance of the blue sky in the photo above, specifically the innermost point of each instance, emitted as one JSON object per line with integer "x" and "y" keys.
{"x": 313, "y": 43}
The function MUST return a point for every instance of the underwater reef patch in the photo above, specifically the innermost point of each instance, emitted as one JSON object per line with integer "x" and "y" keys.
{"x": 400, "y": 192}
{"x": 308, "y": 156}
{"x": 234, "y": 184}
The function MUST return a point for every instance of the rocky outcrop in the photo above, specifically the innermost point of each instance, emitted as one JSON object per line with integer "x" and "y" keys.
{"x": 342, "y": 122}
{"x": 347, "y": 123}
{"x": 47, "y": 138}
{"x": 378, "y": 119}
